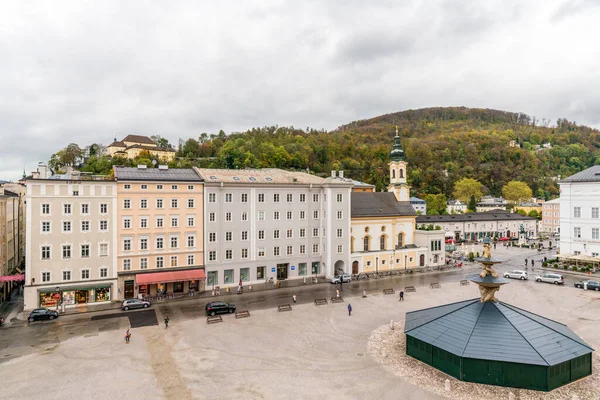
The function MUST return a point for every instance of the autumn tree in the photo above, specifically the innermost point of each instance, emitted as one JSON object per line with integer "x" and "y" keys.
{"x": 516, "y": 192}
{"x": 436, "y": 204}
{"x": 466, "y": 188}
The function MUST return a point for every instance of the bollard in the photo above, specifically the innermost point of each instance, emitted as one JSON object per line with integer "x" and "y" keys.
{"x": 305, "y": 280}
{"x": 213, "y": 292}
{"x": 447, "y": 385}
{"x": 511, "y": 396}
{"x": 227, "y": 289}
{"x": 364, "y": 292}
{"x": 392, "y": 324}
{"x": 250, "y": 288}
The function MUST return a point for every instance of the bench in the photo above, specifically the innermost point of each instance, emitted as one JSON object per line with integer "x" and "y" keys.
{"x": 435, "y": 285}
{"x": 389, "y": 291}
{"x": 464, "y": 282}
{"x": 320, "y": 302}
{"x": 337, "y": 299}
{"x": 409, "y": 289}
{"x": 242, "y": 314}
{"x": 284, "y": 307}
{"x": 213, "y": 320}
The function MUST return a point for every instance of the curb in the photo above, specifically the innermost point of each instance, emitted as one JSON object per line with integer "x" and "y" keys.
{"x": 562, "y": 271}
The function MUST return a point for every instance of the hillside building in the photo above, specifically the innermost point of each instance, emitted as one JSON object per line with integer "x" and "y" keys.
{"x": 489, "y": 203}
{"x": 419, "y": 205}
{"x": 456, "y": 207}
{"x": 132, "y": 145}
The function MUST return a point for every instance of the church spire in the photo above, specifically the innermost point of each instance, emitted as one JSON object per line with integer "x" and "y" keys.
{"x": 397, "y": 154}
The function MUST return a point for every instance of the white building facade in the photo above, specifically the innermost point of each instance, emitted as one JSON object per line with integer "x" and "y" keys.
{"x": 270, "y": 223}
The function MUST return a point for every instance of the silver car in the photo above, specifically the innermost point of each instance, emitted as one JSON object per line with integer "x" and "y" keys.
{"x": 551, "y": 278}
{"x": 134, "y": 303}
{"x": 516, "y": 274}
{"x": 341, "y": 278}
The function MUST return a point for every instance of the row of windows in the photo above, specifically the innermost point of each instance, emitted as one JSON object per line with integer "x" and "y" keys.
{"x": 67, "y": 226}
{"x": 277, "y": 216}
{"x": 159, "y": 222}
{"x": 577, "y": 212}
{"x": 66, "y": 275}
{"x": 159, "y": 203}
{"x": 67, "y": 209}
{"x": 382, "y": 242}
{"x": 277, "y": 234}
{"x": 144, "y": 186}
{"x": 67, "y": 252}
{"x": 159, "y": 243}
{"x": 276, "y": 252}
{"x": 212, "y": 197}
{"x": 595, "y": 233}
{"x": 159, "y": 262}
{"x": 212, "y": 277}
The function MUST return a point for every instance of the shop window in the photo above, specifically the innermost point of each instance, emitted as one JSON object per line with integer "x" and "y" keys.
{"x": 212, "y": 278}
{"x": 315, "y": 267}
{"x": 228, "y": 276}
{"x": 260, "y": 272}
{"x": 302, "y": 269}
{"x": 177, "y": 287}
{"x": 245, "y": 274}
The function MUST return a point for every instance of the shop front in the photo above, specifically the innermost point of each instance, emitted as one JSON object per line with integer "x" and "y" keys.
{"x": 170, "y": 282}
{"x": 74, "y": 296}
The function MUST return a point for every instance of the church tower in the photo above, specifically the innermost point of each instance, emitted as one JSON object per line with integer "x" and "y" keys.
{"x": 397, "y": 165}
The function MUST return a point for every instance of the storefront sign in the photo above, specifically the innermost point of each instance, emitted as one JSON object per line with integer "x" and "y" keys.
{"x": 293, "y": 267}
{"x": 273, "y": 269}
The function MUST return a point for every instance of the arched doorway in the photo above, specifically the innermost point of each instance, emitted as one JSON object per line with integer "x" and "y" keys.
{"x": 339, "y": 267}
{"x": 422, "y": 260}
{"x": 355, "y": 267}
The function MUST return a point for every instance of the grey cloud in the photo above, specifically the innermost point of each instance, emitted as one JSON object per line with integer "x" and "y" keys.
{"x": 569, "y": 8}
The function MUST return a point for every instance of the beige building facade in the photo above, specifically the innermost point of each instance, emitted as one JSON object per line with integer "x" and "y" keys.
{"x": 551, "y": 216}
{"x": 71, "y": 226}
{"x": 160, "y": 241}
{"x": 132, "y": 145}
{"x": 12, "y": 234}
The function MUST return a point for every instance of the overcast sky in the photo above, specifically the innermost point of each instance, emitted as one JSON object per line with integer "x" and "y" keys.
{"x": 87, "y": 72}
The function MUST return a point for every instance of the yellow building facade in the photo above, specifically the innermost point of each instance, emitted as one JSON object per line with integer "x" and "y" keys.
{"x": 132, "y": 145}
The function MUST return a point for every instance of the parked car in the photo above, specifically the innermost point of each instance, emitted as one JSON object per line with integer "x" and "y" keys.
{"x": 134, "y": 303}
{"x": 219, "y": 307}
{"x": 591, "y": 285}
{"x": 516, "y": 274}
{"x": 40, "y": 314}
{"x": 504, "y": 239}
{"x": 551, "y": 278}
{"x": 345, "y": 278}
{"x": 532, "y": 238}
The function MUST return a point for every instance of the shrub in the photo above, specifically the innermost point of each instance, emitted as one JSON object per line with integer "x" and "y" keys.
{"x": 477, "y": 254}
{"x": 565, "y": 267}
{"x": 544, "y": 264}
{"x": 555, "y": 265}
{"x": 471, "y": 256}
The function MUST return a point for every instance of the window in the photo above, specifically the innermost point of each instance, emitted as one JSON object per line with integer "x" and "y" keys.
{"x": 174, "y": 242}
{"x": 103, "y": 249}
{"x": 159, "y": 203}
{"x": 244, "y": 253}
{"x": 595, "y": 233}
{"x": 244, "y": 216}
{"x": 143, "y": 263}
{"x": 576, "y": 212}
{"x": 289, "y": 215}
{"x": 126, "y": 264}
{"x": 212, "y": 197}
{"x": 261, "y": 197}
{"x": 143, "y": 222}
{"x": 316, "y": 214}
{"x": 174, "y": 222}
{"x": 66, "y": 209}
{"x": 212, "y": 237}
{"x": 276, "y": 234}
{"x": 127, "y": 187}
{"x": 144, "y": 187}
{"x": 339, "y": 197}
{"x": 46, "y": 226}
{"x": 340, "y": 249}
{"x": 143, "y": 244}
{"x": 160, "y": 243}
{"x": 212, "y": 255}
{"x": 85, "y": 226}
{"x": 261, "y": 235}
{"x": 85, "y": 274}
{"x": 302, "y": 214}
{"x": 85, "y": 208}
{"x": 276, "y": 198}
{"x": 301, "y": 269}
{"x": 45, "y": 252}
{"x": 143, "y": 203}
{"x": 302, "y": 249}
{"x": 191, "y": 259}
{"x": 302, "y": 232}
{"x": 66, "y": 275}
{"x": 315, "y": 248}
{"x": 315, "y": 197}
{"x": 159, "y": 222}
{"x": 382, "y": 240}
{"x": 190, "y": 187}
{"x": 261, "y": 215}
{"x": 315, "y": 232}
{"x": 159, "y": 187}
{"x": 302, "y": 198}
{"x": 85, "y": 250}
{"x": 340, "y": 214}
{"x": 400, "y": 240}
{"x": 594, "y": 212}
{"x": 289, "y": 197}
{"x": 191, "y": 241}
{"x": 244, "y": 197}
{"x": 340, "y": 233}
{"x": 211, "y": 217}
{"x": 289, "y": 233}
{"x": 577, "y": 232}
{"x": 126, "y": 223}
{"x": 367, "y": 243}
{"x": 173, "y": 261}
{"x": 276, "y": 250}
{"x": 75, "y": 192}
{"x": 160, "y": 262}
{"x": 244, "y": 235}
{"x": 46, "y": 209}
{"x": 228, "y": 236}
{"x": 228, "y": 198}
{"x": 45, "y": 276}
{"x": 126, "y": 244}
{"x": 103, "y": 272}
{"x": 261, "y": 251}
{"x": 276, "y": 215}
{"x": 126, "y": 203}
{"x": 66, "y": 251}
{"x": 228, "y": 254}
{"x": 228, "y": 216}
{"x": 190, "y": 203}
{"x": 289, "y": 250}
{"x": 174, "y": 203}
{"x": 173, "y": 187}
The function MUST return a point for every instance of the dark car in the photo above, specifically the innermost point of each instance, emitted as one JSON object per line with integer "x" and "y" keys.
{"x": 219, "y": 307}
{"x": 40, "y": 314}
{"x": 134, "y": 303}
{"x": 591, "y": 285}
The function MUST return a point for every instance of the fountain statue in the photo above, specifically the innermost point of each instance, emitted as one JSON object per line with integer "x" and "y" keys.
{"x": 488, "y": 280}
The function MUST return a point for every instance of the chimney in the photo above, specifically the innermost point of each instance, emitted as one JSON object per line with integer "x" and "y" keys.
{"x": 164, "y": 167}
{"x": 333, "y": 173}
{"x": 35, "y": 175}
{"x": 142, "y": 166}
{"x": 341, "y": 174}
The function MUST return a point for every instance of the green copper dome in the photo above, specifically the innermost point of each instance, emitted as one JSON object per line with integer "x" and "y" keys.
{"x": 397, "y": 154}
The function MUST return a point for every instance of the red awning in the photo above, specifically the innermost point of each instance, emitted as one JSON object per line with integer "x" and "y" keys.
{"x": 17, "y": 277}
{"x": 170, "y": 276}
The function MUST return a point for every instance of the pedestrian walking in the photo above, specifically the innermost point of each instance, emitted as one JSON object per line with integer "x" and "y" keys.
{"x": 525, "y": 262}
{"x": 401, "y": 296}
{"x": 341, "y": 281}
{"x": 127, "y": 336}
{"x": 531, "y": 263}
{"x": 494, "y": 245}
{"x": 166, "y": 322}
{"x": 349, "y": 309}
{"x": 337, "y": 292}
{"x": 294, "y": 298}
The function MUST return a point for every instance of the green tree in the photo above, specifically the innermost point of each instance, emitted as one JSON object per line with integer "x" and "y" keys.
{"x": 161, "y": 142}
{"x": 436, "y": 204}
{"x": 472, "y": 206}
{"x": 517, "y": 192}
{"x": 466, "y": 188}
{"x": 533, "y": 214}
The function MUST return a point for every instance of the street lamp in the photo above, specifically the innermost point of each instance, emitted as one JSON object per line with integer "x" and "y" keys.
{"x": 377, "y": 266}
{"x": 405, "y": 258}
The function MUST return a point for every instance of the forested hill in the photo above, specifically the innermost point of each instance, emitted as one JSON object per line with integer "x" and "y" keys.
{"x": 442, "y": 145}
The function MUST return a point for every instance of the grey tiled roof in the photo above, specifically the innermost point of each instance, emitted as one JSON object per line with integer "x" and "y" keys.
{"x": 155, "y": 174}
{"x": 591, "y": 174}
{"x": 139, "y": 139}
{"x": 259, "y": 176}
{"x": 495, "y": 331}
{"x": 493, "y": 215}
{"x": 379, "y": 204}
